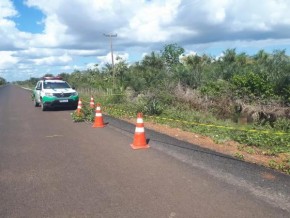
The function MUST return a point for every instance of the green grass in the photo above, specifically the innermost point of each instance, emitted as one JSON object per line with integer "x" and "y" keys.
{"x": 270, "y": 140}
{"x": 284, "y": 166}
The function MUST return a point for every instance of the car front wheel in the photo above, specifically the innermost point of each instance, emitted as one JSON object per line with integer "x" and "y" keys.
{"x": 43, "y": 107}
{"x": 36, "y": 104}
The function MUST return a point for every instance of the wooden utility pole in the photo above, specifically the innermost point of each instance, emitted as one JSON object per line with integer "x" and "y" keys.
{"x": 112, "y": 56}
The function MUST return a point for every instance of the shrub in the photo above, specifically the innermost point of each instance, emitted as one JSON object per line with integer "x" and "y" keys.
{"x": 216, "y": 88}
{"x": 149, "y": 105}
{"x": 282, "y": 124}
{"x": 252, "y": 85}
{"x": 78, "y": 117}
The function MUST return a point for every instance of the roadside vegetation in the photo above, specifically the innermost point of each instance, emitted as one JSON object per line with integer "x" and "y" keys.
{"x": 233, "y": 97}
{"x": 2, "y": 81}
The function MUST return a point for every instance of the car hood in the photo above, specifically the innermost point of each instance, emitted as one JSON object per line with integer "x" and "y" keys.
{"x": 68, "y": 90}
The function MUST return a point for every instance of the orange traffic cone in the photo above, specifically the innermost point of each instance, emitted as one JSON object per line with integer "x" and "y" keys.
{"x": 79, "y": 109}
{"x": 99, "y": 122}
{"x": 92, "y": 103}
{"x": 139, "y": 137}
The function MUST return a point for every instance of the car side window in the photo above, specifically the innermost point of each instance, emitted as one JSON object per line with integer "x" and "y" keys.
{"x": 38, "y": 86}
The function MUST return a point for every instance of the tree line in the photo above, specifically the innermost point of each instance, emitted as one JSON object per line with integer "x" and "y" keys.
{"x": 263, "y": 77}
{"x": 2, "y": 81}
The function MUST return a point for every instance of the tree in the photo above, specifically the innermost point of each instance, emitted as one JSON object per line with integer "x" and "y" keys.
{"x": 191, "y": 75}
{"x": 261, "y": 57}
{"x": 229, "y": 56}
{"x": 153, "y": 61}
{"x": 64, "y": 76}
{"x": 120, "y": 68}
{"x": 48, "y": 75}
{"x": 171, "y": 54}
{"x": 252, "y": 85}
{"x": 2, "y": 81}
{"x": 232, "y": 63}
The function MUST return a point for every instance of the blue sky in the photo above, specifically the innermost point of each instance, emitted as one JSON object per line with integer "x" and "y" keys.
{"x": 54, "y": 36}
{"x": 29, "y": 19}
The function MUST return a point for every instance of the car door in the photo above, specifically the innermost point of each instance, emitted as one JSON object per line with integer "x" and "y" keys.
{"x": 38, "y": 90}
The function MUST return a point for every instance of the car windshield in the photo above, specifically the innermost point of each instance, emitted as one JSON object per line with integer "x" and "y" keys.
{"x": 55, "y": 85}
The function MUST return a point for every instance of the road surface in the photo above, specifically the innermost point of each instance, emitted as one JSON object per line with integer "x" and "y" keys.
{"x": 53, "y": 167}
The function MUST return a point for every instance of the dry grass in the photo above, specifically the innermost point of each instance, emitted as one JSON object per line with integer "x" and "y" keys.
{"x": 225, "y": 107}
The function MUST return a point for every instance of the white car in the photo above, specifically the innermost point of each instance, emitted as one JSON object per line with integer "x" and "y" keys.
{"x": 52, "y": 92}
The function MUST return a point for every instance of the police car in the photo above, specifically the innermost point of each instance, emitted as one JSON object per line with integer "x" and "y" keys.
{"x": 53, "y": 92}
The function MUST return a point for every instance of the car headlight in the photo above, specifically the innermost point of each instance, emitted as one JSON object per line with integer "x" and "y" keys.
{"x": 74, "y": 94}
{"x": 48, "y": 94}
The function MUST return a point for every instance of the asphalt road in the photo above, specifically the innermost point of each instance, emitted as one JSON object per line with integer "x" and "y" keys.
{"x": 52, "y": 167}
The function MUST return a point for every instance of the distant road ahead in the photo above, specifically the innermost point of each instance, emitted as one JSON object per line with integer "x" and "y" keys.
{"x": 52, "y": 167}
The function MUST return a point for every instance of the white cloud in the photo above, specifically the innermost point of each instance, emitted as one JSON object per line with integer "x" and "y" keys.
{"x": 150, "y": 22}
{"x": 71, "y": 68}
{"x": 54, "y": 34}
{"x": 67, "y": 67}
{"x": 11, "y": 37}
{"x": 147, "y": 23}
{"x": 7, "y": 60}
{"x": 84, "y": 52}
{"x": 107, "y": 59}
{"x": 74, "y": 30}
{"x": 144, "y": 54}
{"x": 53, "y": 61}
{"x": 247, "y": 14}
{"x": 92, "y": 66}
{"x": 33, "y": 52}
{"x": 216, "y": 10}
{"x": 7, "y": 9}
{"x": 190, "y": 53}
